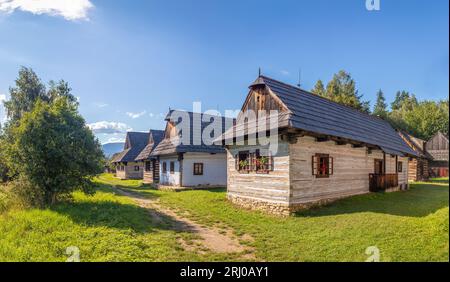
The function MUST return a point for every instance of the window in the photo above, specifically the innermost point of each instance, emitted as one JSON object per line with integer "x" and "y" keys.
{"x": 260, "y": 163}
{"x": 198, "y": 168}
{"x": 246, "y": 162}
{"x": 399, "y": 166}
{"x": 172, "y": 167}
{"x": 322, "y": 165}
{"x": 243, "y": 161}
{"x": 148, "y": 166}
{"x": 164, "y": 169}
{"x": 136, "y": 168}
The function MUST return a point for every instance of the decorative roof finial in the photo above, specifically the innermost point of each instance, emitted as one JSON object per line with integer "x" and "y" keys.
{"x": 259, "y": 71}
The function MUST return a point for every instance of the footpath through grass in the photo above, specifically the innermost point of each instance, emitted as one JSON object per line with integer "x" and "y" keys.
{"x": 404, "y": 226}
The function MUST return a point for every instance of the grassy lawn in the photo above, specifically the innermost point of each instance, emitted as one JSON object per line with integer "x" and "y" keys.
{"x": 404, "y": 226}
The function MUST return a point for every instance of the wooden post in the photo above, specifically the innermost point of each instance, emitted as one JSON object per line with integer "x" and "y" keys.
{"x": 384, "y": 171}
{"x": 396, "y": 170}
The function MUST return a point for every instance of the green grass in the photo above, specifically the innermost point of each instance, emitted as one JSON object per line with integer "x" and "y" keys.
{"x": 405, "y": 226}
{"x": 439, "y": 180}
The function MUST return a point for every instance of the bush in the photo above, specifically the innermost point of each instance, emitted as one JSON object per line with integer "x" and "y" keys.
{"x": 52, "y": 153}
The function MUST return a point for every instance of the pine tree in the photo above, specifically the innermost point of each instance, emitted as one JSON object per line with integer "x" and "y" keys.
{"x": 319, "y": 89}
{"x": 380, "y": 108}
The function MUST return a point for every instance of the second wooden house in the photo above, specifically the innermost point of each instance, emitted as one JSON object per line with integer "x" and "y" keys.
{"x": 418, "y": 168}
{"x": 185, "y": 158}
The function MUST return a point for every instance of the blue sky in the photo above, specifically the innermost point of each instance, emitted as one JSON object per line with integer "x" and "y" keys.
{"x": 129, "y": 61}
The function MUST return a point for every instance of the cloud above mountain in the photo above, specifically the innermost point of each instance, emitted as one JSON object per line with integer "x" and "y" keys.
{"x": 109, "y": 127}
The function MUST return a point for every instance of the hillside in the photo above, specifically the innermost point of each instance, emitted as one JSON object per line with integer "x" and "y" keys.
{"x": 110, "y": 149}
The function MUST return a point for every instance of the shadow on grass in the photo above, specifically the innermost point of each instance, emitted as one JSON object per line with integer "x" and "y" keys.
{"x": 113, "y": 214}
{"x": 422, "y": 200}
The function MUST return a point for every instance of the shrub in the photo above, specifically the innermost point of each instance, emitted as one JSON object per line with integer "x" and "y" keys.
{"x": 53, "y": 153}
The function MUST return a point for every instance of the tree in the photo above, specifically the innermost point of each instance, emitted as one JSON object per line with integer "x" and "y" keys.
{"x": 342, "y": 89}
{"x": 29, "y": 89}
{"x": 319, "y": 89}
{"x": 380, "y": 108}
{"x": 423, "y": 119}
{"x": 53, "y": 149}
{"x": 403, "y": 99}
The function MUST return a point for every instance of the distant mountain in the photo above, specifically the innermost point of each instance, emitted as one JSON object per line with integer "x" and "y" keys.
{"x": 110, "y": 149}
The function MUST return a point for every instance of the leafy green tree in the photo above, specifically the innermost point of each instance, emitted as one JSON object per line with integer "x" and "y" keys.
{"x": 29, "y": 88}
{"x": 423, "y": 119}
{"x": 342, "y": 89}
{"x": 380, "y": 108}
{"x": 404, "y": 99}
{"x": 319, "y": 89}
{"x": 53, "y": 149}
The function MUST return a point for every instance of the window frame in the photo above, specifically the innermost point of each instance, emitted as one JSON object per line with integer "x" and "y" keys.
{"x": 316, "y": 162}
{"x": 198, "y": 169}
{"x": 164, "y": 167}
{"x": 137, "y": 168}
{"x": 172, "y": 167}
{"x": 238, "y": 161}
{"x": 399, "y": 167}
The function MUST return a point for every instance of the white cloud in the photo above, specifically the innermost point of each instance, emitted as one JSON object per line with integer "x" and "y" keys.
{"x": 136, "y": 115}
{"x": 115, "y": 140}
{"x": 2, "y": 97}
{"x": 109, "y": 127}
{"x": 69, "y": 9}
{"x": 285, "y": 72}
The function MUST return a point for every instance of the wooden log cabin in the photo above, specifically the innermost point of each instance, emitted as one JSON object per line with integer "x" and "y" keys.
{"x": 149, "y": 163}
{"x": 418, "y": 169}
{"x": 322, "y": 151}
{"x": 187, "y": 156}
{"x": 126, "y": 165}
{"x": 437, "y": 147}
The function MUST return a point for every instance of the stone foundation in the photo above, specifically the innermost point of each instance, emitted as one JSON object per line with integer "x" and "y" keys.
{"x": 267, "y": 207}
{"x": 279, "y": 209}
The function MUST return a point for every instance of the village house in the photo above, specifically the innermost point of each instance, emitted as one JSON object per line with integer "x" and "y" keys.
{"x": 324, "y": 151}
{"x": 418, "y": 169}
{"x": 186, "y": 158}
{"x": 125, "y": 162}
{"x": 150, "y": 164}
{"x": 437, "y": 148}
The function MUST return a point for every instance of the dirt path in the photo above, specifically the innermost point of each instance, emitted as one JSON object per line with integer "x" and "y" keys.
{"x": 214, "y": 239}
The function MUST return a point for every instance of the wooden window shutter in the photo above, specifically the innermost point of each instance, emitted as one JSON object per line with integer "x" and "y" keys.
{"x": 270, "y": 162}
{"x": 252, "y": 160}
{"x": 330, "y": 165}
{"x": 314, "y": 165}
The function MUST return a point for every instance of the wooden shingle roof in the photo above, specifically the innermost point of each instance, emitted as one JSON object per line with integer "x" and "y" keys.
{"x": 155, "y": 137}
{"x": 135, "y": 142}
{"x": 311, "y": 113}
{"x": 176, "y": 144}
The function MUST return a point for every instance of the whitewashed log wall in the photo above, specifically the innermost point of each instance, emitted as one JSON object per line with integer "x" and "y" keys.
{"x": 292, "y": 181}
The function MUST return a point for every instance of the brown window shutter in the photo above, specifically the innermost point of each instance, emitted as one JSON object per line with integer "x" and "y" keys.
{"x": 270, "y": 162}
{"x": 252, "y": 160}
{"x": 314, "y": 165}
{"x": 330, "y": 166}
